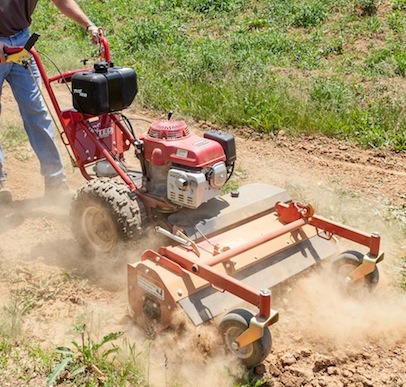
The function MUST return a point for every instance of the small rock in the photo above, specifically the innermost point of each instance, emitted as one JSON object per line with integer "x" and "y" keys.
{"x": 306, "y": 352}
{"x": 322, "y": 362}
{"x": 347, "y": 373}
{"x": 288, "y": 359}
{"x": 332, "y": 370}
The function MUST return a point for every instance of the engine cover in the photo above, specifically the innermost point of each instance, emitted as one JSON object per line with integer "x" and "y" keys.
{"x": 192, "y": 189}
{"x": 170, "y": 142}
{"x": 188, "y": 169}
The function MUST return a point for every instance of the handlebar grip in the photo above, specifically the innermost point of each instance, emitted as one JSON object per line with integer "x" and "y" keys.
{"x": 31, "y": 41}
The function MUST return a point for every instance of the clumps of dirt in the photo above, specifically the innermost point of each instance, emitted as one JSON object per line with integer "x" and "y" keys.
{"x": 328, "y": 337}
{"x": 369, "y": 366}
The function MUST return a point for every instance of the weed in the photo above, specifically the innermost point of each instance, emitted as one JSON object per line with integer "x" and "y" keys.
{"x": 396, "y": 22}
{"x": 86, "y": 363}
{"x": 209, "y": 6}
{"x": 5, "y": 350}
{"x": 249, "y": 379}
{"x": 230, "y": 186}
{"x": 398, "y": 5}
{"x": 309, "y": 14}
{"x": 367, "y": 7}
{"x": 13, "y": 317}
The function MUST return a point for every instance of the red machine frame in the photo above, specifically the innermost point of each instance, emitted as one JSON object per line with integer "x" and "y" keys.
{"x": 78, "y": 128}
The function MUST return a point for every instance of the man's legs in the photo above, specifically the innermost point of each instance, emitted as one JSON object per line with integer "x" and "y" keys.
{"x": 5, "y": 195}
{"x": 37, "y": 122}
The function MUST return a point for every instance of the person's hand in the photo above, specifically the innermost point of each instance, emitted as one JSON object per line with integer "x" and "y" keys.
{"x": 2, "y": 54}
{"x": 94, "y": 32}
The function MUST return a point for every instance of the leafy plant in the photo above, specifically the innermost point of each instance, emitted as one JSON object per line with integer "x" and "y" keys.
{"x": 367, "y": 7}
{"x": 249, "y": 379}
{"x": 309, "y": 14}
{"x": 230, "y": 186}
{"x": 13, "y": 317}
{"x": 85, "y": 359}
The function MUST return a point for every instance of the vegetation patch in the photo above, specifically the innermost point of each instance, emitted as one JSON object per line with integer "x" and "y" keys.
{"x": 304, "y": 67}
{"x": 87, "y": 363}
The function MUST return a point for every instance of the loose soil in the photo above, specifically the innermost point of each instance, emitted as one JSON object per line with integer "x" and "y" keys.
{"x": 323, "y": 338}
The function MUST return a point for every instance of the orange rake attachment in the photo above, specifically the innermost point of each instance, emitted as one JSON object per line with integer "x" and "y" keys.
{"x": 234, "y": 254}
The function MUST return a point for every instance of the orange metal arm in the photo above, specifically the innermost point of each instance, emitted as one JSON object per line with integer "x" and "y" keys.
{"x": 217, "y": 279}
{"x": 289, "y": 213}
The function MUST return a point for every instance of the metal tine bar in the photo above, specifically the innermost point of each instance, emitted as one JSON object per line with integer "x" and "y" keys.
{"x": 254, "y": 243}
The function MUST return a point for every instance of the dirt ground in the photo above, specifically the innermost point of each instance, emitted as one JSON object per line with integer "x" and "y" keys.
{"x": 323, "y": 338}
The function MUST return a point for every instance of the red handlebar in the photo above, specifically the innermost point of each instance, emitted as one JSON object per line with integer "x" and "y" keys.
{"x": 104, "y": 49}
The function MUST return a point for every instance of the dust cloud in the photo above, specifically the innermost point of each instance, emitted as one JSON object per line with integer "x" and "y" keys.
{"x": 185, "y": 354}
{"x": 314, "y": 309}
{"x": 317, "y": 311}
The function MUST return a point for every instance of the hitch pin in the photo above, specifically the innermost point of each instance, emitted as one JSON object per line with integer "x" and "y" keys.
{"x": 180, "y": 238}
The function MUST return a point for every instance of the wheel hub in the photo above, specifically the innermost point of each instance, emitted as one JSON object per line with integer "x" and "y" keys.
{"x": 99, "y": 228}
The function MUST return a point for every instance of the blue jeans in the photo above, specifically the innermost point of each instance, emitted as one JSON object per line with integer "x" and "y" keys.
{"x": 37, "y": 122}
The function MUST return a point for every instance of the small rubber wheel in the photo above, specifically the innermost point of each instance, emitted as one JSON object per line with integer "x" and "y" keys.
{"x": 236, "y": 322}
{"x": 103, "y": 213}
{"x": 347, "y": 262}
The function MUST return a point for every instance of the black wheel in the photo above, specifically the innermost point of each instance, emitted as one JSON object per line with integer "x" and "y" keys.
{"x": 236, "y": 322}
{"x": 103, "y": 213}
{"x": 350, "y": 260}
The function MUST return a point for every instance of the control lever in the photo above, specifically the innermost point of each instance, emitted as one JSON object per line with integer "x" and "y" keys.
{"x": 31, "y": 41}
{"x": 21, "y": 55}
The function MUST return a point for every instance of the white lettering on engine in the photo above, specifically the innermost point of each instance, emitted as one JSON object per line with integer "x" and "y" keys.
{"x": 80, "y": 92}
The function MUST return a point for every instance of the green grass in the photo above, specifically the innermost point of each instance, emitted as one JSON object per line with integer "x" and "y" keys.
{"x": 310, "y": 67}
{"x": 87, "y": 362}
{"x": 13, "y": 137}
{"x": 249, "y": 379}
{"x": 23, "y": 361}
